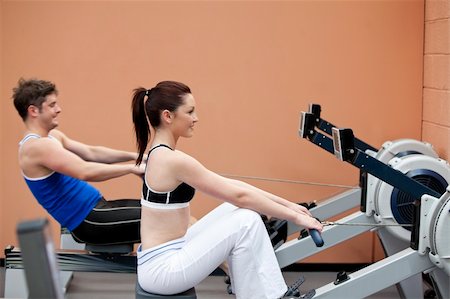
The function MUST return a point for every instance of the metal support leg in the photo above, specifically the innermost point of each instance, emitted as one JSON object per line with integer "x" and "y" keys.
{"x": 68, "y": 242}
{"x": 408, "y": 288}
{"x": 295, "y": 250}
{"x": 378, "y": 276}
{"x": 441, "y": 283}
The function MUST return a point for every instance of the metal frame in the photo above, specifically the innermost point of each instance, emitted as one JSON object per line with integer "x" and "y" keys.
{"x": 71, "y": 258}
{"x": 397, "y": 268}
{"x": 379, "y": 275}
{"x": 38, "y": 253}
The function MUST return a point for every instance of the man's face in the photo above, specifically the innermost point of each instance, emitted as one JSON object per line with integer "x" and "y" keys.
{"x": 48, "y": 114}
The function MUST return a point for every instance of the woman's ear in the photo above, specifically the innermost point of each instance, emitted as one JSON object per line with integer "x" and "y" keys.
{"x": 167, "y": 116}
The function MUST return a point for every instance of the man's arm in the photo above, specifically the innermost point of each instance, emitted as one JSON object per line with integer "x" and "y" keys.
{"x": 49, "y": 154}
{"x": 92, "y": 153}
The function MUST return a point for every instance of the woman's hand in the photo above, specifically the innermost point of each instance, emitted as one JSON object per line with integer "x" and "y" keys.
{"x": 298, "y": 208}
{"x": 308, "y": 222}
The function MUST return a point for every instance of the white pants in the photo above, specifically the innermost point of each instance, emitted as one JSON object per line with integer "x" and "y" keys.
{"x": 226, "y": 233}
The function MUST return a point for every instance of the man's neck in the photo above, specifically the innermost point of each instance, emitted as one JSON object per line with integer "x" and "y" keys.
{"x": 31, "y": 128}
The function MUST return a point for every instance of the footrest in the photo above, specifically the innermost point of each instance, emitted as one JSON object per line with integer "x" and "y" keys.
{"x": 141, "y": 294}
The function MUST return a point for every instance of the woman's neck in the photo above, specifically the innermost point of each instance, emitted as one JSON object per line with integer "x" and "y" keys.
{"x": 164, "y": 137}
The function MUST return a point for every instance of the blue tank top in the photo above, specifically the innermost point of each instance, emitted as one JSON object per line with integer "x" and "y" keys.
{"x": 67, "y": 199}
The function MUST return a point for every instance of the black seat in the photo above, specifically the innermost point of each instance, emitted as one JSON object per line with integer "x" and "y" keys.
{"x": 110, "y": 249}
{"x": 141, "y": 294}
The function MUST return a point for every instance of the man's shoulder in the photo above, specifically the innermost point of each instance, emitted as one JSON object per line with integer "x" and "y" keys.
{"x": 37, "y": 143}
{"x": 57, "y": 134}
{"x": 33, "y": 151}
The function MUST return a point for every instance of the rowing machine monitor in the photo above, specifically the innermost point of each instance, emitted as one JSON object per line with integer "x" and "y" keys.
{"x": 307, "y": 124}
{"x": 315, "y": 109}
{"x": 343, "y": 143}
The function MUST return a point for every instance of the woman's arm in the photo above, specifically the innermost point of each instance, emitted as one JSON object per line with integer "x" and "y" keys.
{"x": 192, "y": 172}
{"x": 280, "y": 200}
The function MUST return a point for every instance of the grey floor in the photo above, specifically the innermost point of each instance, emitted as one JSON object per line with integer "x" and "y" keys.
{"x": 111, "y": 285}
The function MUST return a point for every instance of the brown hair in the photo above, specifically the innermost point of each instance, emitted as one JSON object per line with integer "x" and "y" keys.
{"x": 31, "y": 92}
{"x": 166, "y": 95}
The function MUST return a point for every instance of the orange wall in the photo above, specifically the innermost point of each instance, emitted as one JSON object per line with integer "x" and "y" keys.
{"x": 253, "y": 66}
{"x": 436, "y": 91}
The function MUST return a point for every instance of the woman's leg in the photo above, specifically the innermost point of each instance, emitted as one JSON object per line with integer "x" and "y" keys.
{"x": 220, "y": 211}
{"x": 111, "y": 222}
{"x": 239, "y": 237}
{"x": 197, "y": 226}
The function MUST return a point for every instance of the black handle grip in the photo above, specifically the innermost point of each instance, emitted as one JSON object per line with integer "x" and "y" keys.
{"x": 317, "y": 238}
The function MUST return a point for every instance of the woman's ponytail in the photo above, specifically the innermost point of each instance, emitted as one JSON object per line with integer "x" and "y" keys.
{"x": 141, "y": 127}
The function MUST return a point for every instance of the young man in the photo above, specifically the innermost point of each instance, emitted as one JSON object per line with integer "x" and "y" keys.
{"x": 57, "y": 169}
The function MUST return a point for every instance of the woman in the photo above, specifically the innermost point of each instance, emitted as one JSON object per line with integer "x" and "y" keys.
{"x": 174, "y": 257}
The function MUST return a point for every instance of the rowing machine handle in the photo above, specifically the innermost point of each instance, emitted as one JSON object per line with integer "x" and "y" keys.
{"x": 317, "y": 238}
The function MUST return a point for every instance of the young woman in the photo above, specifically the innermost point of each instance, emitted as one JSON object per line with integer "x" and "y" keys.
{"x": 174, "y": 257}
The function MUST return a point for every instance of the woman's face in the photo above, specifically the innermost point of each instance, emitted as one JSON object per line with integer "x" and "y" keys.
{"x": 185, "y": 117}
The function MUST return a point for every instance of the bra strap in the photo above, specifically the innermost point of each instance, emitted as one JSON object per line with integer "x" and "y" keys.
{"x": 159, "y": 145}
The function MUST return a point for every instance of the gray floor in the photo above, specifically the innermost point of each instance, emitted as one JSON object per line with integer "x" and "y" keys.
{"x": 111, "y": 285}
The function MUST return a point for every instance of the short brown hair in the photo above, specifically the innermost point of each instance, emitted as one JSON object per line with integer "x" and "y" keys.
{"x": 31, "y": 92}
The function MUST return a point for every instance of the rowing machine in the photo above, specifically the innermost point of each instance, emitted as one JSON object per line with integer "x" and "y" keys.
{"x": 345, "y": 150}
{"x": 289, "y": 252}
{"x": 431, "y": 257}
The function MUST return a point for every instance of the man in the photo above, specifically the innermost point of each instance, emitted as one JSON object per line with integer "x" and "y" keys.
{"x": 57, "y": 169}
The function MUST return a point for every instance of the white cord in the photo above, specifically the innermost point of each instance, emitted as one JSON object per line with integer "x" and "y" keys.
{"x": 288, "y": 181}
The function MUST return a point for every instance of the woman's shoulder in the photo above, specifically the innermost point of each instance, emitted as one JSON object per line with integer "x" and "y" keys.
{"x": 180, "y": 155}
{"x": 181, "y": 158}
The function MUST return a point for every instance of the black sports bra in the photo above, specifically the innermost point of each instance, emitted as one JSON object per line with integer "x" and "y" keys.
{"x": 175, "y": 199}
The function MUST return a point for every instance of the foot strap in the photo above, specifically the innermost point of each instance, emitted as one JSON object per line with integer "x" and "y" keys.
{"x": 293, "y": 288}
{"x": 294, "y": 292}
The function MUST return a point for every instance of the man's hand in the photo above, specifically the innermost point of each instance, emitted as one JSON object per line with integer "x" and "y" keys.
{"x": 139, "y": 170}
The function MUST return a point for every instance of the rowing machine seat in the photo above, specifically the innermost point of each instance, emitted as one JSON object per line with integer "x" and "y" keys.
{"x": 141, "y": 294}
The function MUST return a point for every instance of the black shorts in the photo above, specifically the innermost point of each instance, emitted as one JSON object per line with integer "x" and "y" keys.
{"x": 111, "y": 222}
